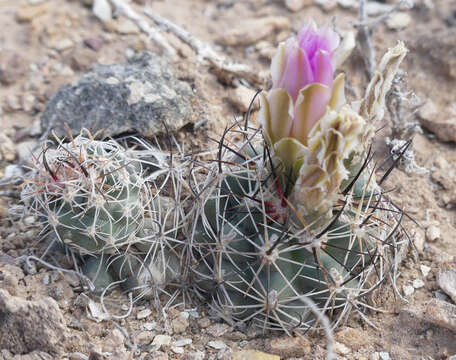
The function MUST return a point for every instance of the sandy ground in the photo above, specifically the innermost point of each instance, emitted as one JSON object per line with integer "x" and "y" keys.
{"x": 43, "y": 46}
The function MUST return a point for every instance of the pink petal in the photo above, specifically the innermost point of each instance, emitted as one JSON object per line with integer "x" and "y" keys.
{"x": 323, "y": 72}
{"x": 310, "y": 107}
{"x": 297, "y": 73}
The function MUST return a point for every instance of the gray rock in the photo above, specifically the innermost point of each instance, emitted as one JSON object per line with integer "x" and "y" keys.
{"x": 141, "y": 96}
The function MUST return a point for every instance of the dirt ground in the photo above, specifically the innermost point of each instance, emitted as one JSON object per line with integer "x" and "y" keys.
{"x": 46, "y": 44}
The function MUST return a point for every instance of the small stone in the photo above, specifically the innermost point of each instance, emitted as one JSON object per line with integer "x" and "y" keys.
{"x": 102, "y": 10}
{"x": 82, "y": 59}
{"x": 179, "y": 324}
{"x": 326, "y": 5}
{"x": 241, "y": 97}
{"x": 341, "y": 349}
{"x": 218, "y": 329}
{"x": 419, "y": 240}
{"x": 28, "y": 13}
{"x": 217, "y": 344}
{"x": 253, "y": 30}
{"x": 353, "y": 338}
{"x": 177, "y": 350}
{"x": 94, "y": 44}
{"x": 61, "y": 44}
{"x": 12, "y": 67}
{"x": 398, "y": 21}
{"x": 374, "y": 356}
{"x": 383, "y": 355}
{"x": 125, "y": 26}
{"x": 418, "y": 283}
{"x": 204, "y": 322}
{"x": 12, "y": 103}
{"x": 149, "y": 326}
{"x": 145, "y": 337}
{"x": 441, "y": 313}
{"x": 408, "y": 290}
{"x": 113, "y": 341}
{"x": 296, "y": 5}
{"x": 425, "y": 270}
{"x": 28, "y": 101}
{"x": 161, "y": 340}
{"x": 447, "y": 282}
{"x": 348, "y": 4}
{"x": 182, "y": 342}
{"x": 432, "y": 233}
{"x": 253, "y": 355}
{"x": 289, "y": 346}
{"x": 7, "y": 148}
{"x": 143, "y": 314}
{"x": 195, "y": 355}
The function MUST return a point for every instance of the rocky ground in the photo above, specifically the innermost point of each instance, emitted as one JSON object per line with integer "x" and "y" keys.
{"x": 47, "y": 45}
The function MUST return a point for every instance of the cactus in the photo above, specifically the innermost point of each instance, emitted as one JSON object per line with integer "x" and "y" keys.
{"x": 106, "y": 204}
{"x": 294, "y": 212}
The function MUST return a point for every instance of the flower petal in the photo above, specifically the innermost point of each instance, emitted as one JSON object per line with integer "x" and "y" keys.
{"x": 310, "y": 107}
{"x": 323, "y": 69}
{"x": 289, "y": 150}
{"x": 298, "y": 70}
{"x": 275, "y": 114}
{"x": 338, "y": 93}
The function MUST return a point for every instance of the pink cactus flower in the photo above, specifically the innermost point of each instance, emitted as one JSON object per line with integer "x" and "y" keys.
{"x": 303, "y": 86}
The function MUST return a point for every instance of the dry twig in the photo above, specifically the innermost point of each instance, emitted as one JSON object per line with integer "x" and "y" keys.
{"x": 153, "y": 33}
{"x": 205, "y": 52}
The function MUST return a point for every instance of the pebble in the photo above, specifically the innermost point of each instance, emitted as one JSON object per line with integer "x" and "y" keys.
{"x": 252, "y": 30}
{"x": 204, "y": 322}
{"x": 408, "y": 290}
{"x": 145, "y": 337}
{"x": 353, "y": 338}
{"x": 94, "y": 44}
{"x": 341, "y": 348}
{"x": 12, "y": 67}
{"x": 383, "y": 355}
{"x": 143, "y": 314}
{"x": 398, "y": 21}
{"x": 102, "y": 10}
{"x": 125, "y": 26}
{"x": 432, "y": 233}
{"x": 296, "y": 5}
{"x": 218, "y": 329}
{"x": 149, "y": 326}
{"x": 7, "y": 148}
{"x": 442, "y": 125}
{"x": 425, "y": 270}
{"x": 289, "y": 346}
{"x": 11, "y": 172}
{"x": 419, "y": 240}
{"x": 418, "y": 283}
{"x": 217, "y": 344}
{"x": 161, "y": 340}
{"x": 30, "y": 12}
{"x": 241, "y": 97}
{"x": 447, "y": 282}
{"x": 326, "y": 5}
{"x": 182, "y": 342}
{"x": 25, "y": 148}
{"x": 177, "y": 350}
{"x": 253, "y": 355}
{"x": 179, "y": 324}
{"x": 441, "y": 313}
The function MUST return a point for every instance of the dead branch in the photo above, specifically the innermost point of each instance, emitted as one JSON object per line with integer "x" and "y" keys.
{"x": 153, "y": 33}
{"x": 204, "y": 51}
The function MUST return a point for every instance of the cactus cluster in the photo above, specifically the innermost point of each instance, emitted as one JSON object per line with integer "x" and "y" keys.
{"x": 287, "y": 217}
{"x": 107, "y": 204}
